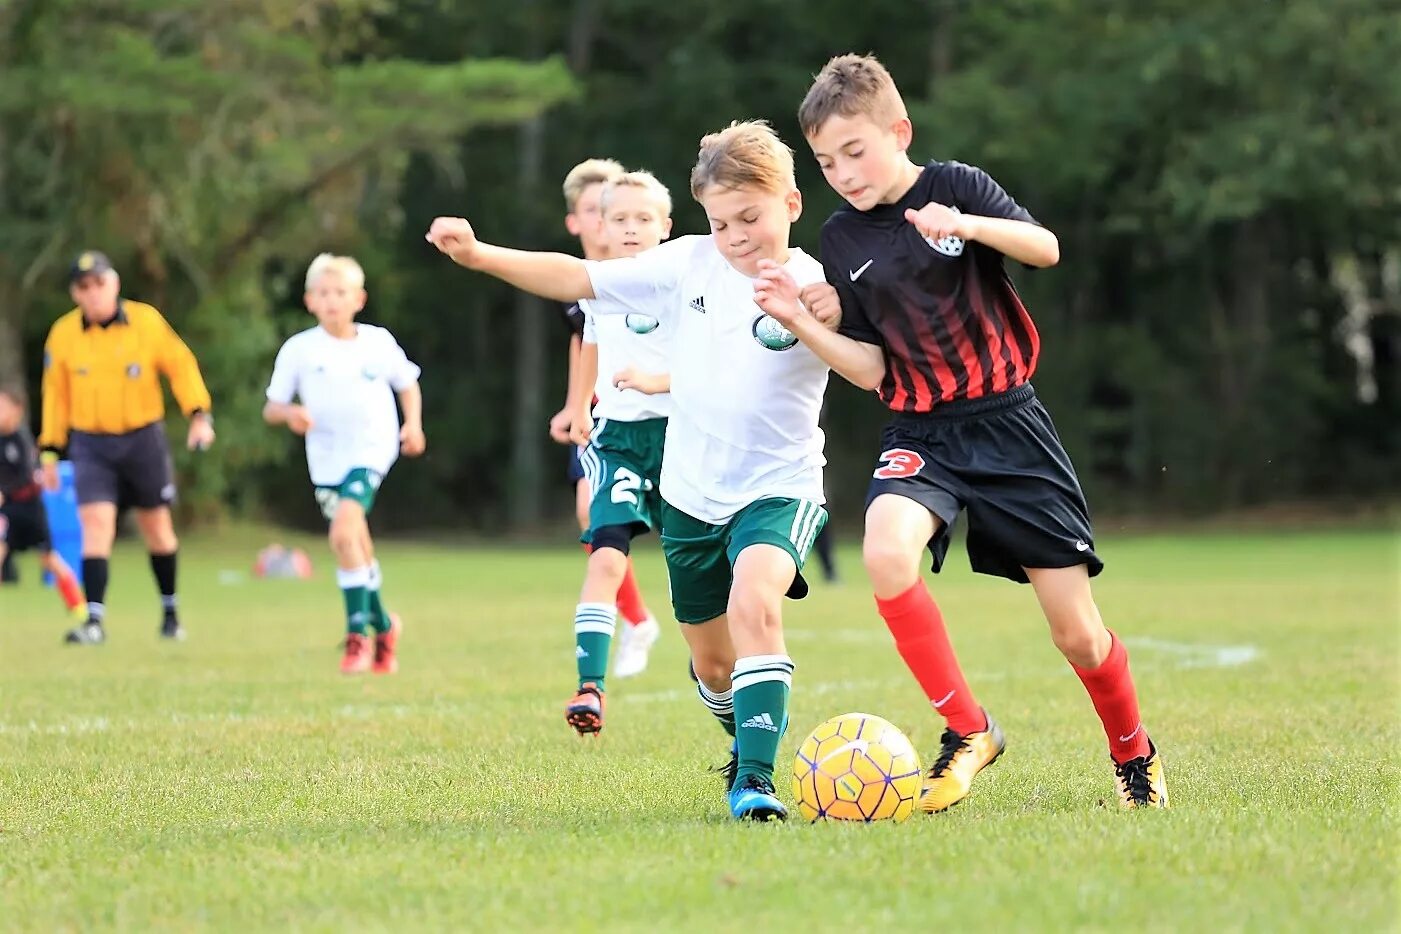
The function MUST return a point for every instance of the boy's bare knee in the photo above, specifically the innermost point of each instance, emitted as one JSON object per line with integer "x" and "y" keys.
{"x": 608, "y": 563}
{"x": 892, "y": 565}
{"x": 345, "y": 540}
{"x": 751, "y": 610}
{"x": 1084, "y": 643}
{"x": 713, "y": 671}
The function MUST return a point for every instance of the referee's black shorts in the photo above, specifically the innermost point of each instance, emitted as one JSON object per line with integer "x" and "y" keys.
{"x": 131, "y": 469}
{"x": 998, "y": 457}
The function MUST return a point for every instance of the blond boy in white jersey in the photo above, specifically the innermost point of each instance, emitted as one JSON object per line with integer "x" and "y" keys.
{"x": 345, "y": 376}
{"x": 583, "y": 192}
{"x": 621, "y": 442}
{"x": 742, "y": 469}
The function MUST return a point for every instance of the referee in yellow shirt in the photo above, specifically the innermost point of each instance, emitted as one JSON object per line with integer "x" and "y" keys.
{"x": 103, "y": 403}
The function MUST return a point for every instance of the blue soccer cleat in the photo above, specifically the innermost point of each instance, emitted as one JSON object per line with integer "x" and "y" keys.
{"x": 752, "y": 798}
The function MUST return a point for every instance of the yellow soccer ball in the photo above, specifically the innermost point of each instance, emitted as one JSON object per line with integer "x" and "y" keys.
{"x": 856, "y": 767}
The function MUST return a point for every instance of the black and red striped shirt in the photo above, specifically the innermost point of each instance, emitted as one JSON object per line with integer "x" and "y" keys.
{"x": 946, "y": 314}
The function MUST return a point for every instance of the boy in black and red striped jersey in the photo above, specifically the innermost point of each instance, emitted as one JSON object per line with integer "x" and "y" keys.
{"x": 932, "y": 321}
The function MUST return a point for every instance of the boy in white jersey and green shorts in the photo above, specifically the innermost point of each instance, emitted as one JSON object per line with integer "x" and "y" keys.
{"x": 345, "y": 376}
{"x": 742, "y": 467}
{"x": 622, "y": 459}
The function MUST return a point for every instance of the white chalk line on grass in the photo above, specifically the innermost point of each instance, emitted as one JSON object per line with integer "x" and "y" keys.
{"x": 1180, "y": 655}
{"x": 1191, "y": 655}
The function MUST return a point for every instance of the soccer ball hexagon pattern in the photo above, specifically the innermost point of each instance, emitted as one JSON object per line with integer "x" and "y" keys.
{"x": 856, "y": 767}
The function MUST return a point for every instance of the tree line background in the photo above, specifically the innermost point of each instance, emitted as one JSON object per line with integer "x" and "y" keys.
{"x": 1223, "y": 330}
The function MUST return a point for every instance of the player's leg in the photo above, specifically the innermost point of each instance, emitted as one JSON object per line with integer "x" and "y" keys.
{"x": 644, "y": 441}
{"x": 699, "y": 574}
{"x": 768, "y": 542}
{"x": 825, "y": 546}
{"x": 595, "y": 617}
{"x": 1101, "y": 662}
{"x": 1029, "y": 522}
{"x": 347, "y": 536}
{"x": 912, "y": 505}
{"x": 38, "y": 537}
{"x": 66, "y": 582}
{"x": 361, "y": 486}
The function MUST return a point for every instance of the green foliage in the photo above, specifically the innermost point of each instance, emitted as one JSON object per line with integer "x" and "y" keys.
{"x": 1225, "y": 180}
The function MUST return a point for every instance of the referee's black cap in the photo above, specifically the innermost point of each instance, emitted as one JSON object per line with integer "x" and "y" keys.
{"x": 88, "y": 263}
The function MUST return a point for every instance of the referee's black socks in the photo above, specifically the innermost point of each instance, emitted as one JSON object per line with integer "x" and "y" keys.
{"x": 163, "y": 567}
{"x": 95, "y": 585}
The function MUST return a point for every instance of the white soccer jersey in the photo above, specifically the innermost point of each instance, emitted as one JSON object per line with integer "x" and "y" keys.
{"x": 348, "y": 388}
{"x": 745, "y": 395}
{"x": 627, "y": 339}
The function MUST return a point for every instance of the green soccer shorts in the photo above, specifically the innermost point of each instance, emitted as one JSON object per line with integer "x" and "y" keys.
{"x": 623, "y": 464}
{"x": 700, "y": 557}
{"x": 360, "y": 485}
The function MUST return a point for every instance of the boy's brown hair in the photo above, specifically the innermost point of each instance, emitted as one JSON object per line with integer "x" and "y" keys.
{"x": 586, "y": 173}
{"x": 746, "y": 154}
{"x": 851, "y": 85}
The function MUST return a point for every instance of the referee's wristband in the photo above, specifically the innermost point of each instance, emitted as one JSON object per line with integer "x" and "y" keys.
{"x": 48, "y": 456}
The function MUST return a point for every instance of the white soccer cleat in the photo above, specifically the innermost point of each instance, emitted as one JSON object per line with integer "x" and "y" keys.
{"x": 634, "y": 645}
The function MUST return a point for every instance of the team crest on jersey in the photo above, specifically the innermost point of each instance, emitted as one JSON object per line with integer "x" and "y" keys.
{"x": 771, "y": 335}
{"x": 949, "y": 246}
{"x": 641, "y": 324}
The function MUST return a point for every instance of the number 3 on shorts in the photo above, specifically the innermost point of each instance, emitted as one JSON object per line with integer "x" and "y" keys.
{"x": 898, "y": 463}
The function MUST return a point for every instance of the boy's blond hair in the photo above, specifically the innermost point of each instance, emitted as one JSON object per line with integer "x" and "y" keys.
{"x": 639, "y": 178}
{"x": 586, "y": 173}
{"x": 746, "y": 154}
{"x": 345, "y": 266}
{"x": 851, "y": 86}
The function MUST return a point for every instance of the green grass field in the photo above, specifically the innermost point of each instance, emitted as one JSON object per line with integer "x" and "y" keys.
{"x": 238, "y": 781}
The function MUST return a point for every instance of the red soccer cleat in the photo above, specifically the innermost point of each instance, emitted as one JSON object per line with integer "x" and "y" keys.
{"x": 386, "y": 662}
{"x": 359, "y": 654}
{"x": 584, "y": 711}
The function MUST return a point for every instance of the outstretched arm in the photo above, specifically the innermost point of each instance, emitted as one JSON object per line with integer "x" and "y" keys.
{"x": 557, "y": 276}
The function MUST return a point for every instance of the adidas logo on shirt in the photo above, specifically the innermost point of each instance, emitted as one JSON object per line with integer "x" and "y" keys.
{"x": 698, "y": 304}
{"x": 760, "y": 722}
{"x": 579, "y": 652}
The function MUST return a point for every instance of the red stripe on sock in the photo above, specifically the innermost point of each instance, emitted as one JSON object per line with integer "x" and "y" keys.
{"x": 69, "y": 590}
{"x": 923, "y": 642}
{"x": 1116, "y": 701}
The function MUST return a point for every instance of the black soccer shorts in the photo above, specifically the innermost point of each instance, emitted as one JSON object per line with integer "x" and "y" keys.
{"x": 999, "y": 458}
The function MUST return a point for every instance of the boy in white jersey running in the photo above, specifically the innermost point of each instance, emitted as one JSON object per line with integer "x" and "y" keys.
{"x": 346, "y": 376}
{"x": 742, "y": 468}
{"x": 622, "y": 453}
